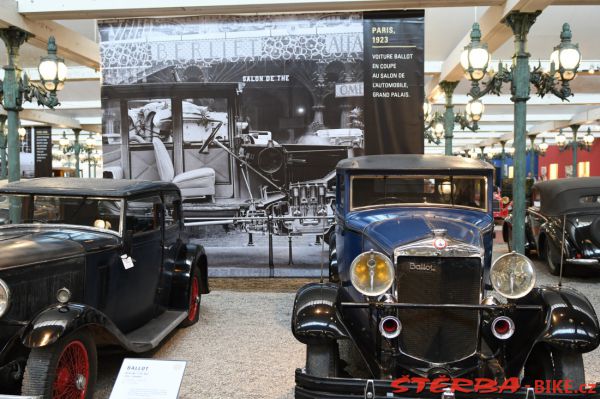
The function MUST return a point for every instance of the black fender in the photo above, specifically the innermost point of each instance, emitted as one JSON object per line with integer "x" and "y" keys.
{"x": 57, "y": 321}
{"x": 567, "y": 321}
{"x": 506, "y": 227}
{"x": 190, "y": 254}
{"x": 314, "y": 317}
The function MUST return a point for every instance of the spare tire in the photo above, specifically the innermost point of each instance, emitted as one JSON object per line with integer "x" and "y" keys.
{"x": 595, "y": 230}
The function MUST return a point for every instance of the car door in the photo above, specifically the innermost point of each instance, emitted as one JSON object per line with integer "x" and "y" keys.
{"x": 173, "y": 225}
{"x": 138, "y": 277}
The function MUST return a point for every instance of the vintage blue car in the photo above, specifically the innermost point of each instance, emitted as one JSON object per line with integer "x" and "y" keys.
{"x": 413, "y": 291}
{"x": 89, "y": 264}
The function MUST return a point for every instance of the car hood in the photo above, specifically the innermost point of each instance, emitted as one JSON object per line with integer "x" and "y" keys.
{"x": 29, "y": 244}
{"x": 394, "y": 227}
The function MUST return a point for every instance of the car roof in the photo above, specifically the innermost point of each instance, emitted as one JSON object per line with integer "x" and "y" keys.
{"x": 564, "y": 195}
{"x": 85, "y": 187}
{"x": 413, "y": 163}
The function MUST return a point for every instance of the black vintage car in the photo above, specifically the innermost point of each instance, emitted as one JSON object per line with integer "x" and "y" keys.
{"x": 92, "y": 263}
{"x": 563, "y": 210}
{"x": 413, "y": 294}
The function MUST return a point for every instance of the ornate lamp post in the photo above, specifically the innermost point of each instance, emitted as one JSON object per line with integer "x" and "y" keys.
{"x": 565, "y": 59}
{"x": 467, "y": 120}
{"x": 17, "y": 88}
{"x": 74, "y": 148}
{"x": 563, "y": 144}
{"x": 3, "y": 137}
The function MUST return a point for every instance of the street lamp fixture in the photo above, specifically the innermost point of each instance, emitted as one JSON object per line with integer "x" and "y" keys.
{"x": 588, "y": 140}
{"x": 543, "y": 147}
{"x": 434, "y": 124}
{"x": 64, "y": 143}
{"x": 563, "y": 68}
{"x": 17, "y": 88}
{"x": 427, "y": 110}
{"x": 22, "y": 133}
{"x": 561, "y": 140}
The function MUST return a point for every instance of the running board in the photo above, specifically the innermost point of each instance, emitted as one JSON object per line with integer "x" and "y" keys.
{"x": 152, "y": 333}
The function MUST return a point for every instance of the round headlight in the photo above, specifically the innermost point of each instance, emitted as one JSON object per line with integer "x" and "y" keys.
{"x": 4, "y": 297}
{"x": 513, "y": 275}
{"x": 372, "y": 273}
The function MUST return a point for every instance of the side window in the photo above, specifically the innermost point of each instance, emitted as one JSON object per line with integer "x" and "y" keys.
{"x": 340, "y": 191}
{"x": 172, "y": 209}
{"x": 144, "y": 214}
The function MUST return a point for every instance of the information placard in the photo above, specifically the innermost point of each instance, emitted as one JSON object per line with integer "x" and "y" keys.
{"x": 148, "y": 379}
{"x": 43, "y": 151}
{"x": 394, "y": 73}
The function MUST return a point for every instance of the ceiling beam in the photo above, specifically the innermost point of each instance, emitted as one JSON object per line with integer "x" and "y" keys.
{"x": 582, "y": 118}
{"x": 95, "y": 9}
{"x": 494, "y": 32}
{"x": 72, "y": 46}
{"x": 50, "y": 118}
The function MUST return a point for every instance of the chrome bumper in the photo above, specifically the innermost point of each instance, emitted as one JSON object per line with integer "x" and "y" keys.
{"x": 583, "y": 262}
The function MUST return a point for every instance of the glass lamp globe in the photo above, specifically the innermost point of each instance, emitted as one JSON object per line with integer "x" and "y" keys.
{"x": 588, "y": 139}
{"x": 64, "y": 141}
{"x": 475, "y": 109}
{"x": 438, "y": 129}
{"x": 543, "y": 147}
{"x": 426, "y": 109}
{"x": 566, "y": 56}
{"x": 52, "y": 69}
{"x": 475, "y": 57}
{"x": 22, "y": 133}
{"x": 561, "y": 140}
{"x": 90, "y": 142}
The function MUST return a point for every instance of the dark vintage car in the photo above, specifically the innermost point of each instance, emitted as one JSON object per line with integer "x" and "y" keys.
{"x": 563, "y": 210}
{"x": 413, "y": 291}
{"x": 92, "y": 263}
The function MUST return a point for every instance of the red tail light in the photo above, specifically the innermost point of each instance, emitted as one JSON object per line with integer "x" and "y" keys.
{"x": 503, "y": 327}
{"x": 390, "y": 327}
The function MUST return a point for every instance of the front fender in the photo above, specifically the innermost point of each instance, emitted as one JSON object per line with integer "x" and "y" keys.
{"x": 314, "y": 318}
{"x": 180, "y": 284}
{"x": 571, "y": 322}
{"x": 60, "y": 320}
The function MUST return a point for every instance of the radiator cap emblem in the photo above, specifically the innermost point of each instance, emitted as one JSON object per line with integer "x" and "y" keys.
{"x": 440, "y": 243}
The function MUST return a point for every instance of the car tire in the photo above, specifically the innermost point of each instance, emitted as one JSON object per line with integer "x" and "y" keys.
{"x": 195, "y": 298}
{"x": 51, "y": 372}
{"x": 551, "y": 260}
{"x": 322, "y": 359}
{"x": 548, "y": 363}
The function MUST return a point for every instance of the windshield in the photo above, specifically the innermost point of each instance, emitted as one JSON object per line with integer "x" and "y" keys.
{"x": 81, "y": 211}
{"x": 468, "y": 191}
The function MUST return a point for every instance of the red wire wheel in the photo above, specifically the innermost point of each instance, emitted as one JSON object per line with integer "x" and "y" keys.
{"x": 72, "y": 372}
{"x": 194, "y": 299}
{"x": 65, "y": 369}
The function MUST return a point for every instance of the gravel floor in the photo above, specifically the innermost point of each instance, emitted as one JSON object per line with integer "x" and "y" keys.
{"x": 243, "y": 348}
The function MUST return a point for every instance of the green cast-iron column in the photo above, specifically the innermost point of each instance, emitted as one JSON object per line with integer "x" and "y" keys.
{"x": 574, "y": 128}
{"x": 3, "y": 168}
{"x": 503, "y": 161}
{"x": 520, "y": 24}
{"x": 76, "y": 150}
{"x": 12, "y": 102}
{"x": 532, "y": 170}
{"x": 448, "y": 88}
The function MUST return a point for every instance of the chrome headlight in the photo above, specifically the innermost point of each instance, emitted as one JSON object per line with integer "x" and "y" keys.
{"x": 4, "y": 297}
{"x": 372, "y": 273}
{"x": 513, "y": 275}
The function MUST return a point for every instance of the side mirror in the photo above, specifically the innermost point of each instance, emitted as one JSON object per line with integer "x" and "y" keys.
{"x": 127, "y": 241}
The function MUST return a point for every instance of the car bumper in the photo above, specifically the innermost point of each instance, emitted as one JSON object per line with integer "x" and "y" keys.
{"x": 583, "y": 262}
{"x": 310, "y": 387}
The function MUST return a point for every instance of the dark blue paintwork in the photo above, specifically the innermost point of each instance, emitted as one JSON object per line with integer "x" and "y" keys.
{"x": 318, "y": 320}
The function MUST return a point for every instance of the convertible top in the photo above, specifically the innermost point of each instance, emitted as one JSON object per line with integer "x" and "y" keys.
{"x": 414, "y": 163}
{"x": 85, "y": 187}
{"x": 565, "y": 195}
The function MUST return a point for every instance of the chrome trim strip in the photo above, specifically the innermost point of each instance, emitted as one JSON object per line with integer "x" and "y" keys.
{"x": 588, "y": 262}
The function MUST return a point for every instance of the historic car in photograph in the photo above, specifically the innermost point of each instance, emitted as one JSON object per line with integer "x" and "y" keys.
{"x": 563, "y": 223}
{"x": 413, "y": 290}
{"x": 89, "y": 264}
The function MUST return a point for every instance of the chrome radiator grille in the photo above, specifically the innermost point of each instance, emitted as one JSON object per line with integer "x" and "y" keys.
{"x": 434, "y": 335}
